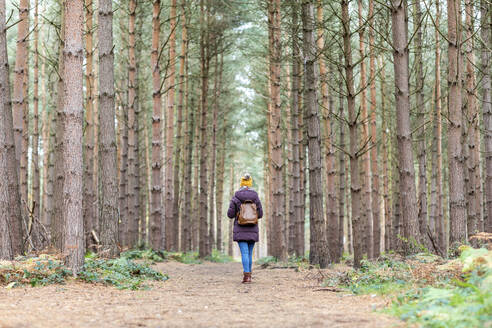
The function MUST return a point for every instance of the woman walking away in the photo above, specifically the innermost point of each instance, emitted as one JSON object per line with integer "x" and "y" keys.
{"x": 245, "y": 209}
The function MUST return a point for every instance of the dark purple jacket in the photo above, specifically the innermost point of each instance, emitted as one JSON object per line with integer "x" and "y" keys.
{"x": 242, "y": 232}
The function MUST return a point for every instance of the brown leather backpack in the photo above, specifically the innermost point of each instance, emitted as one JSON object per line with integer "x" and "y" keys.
{"x": 248, "y": 215}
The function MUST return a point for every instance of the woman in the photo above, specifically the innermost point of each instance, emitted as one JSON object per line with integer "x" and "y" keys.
{"x": 245, "y": 235}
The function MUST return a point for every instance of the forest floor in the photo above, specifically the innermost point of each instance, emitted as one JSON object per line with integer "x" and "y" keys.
{"x": 196, "y": 295}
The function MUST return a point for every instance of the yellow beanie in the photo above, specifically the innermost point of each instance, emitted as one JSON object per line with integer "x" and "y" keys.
{"x": 246, "y": 181}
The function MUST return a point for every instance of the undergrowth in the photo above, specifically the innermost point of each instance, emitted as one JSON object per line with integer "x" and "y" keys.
{"x": 426, "y": 289}
{"x": 47, "y": 269}
{"x": 121, "y": 272}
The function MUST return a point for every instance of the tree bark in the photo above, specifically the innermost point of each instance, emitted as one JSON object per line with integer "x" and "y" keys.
{"x": 457, "y": 210}
{"x": 405, "y": 155}
{"x": 72, "y": 125}
{"x": 108, "y": 225}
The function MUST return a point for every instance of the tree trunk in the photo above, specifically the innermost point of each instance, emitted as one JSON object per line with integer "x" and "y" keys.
{"x": 72, "y": 125}
{"x": 405, "y": 155}
{"x": 108, "y": 225}
{"x": 474, "y": 187}
{"x": 89, "y": 192}
{"x": 457, "y": 210}
{"x": 46, "y": 132}
{"x": 296, "y": 167}
{"x": 375, "y": 197}
{"x": 357, "y": 225}
{"x": 35, "y": 184}
{"x": 220, "y": 177}
{"x": 156, "y": 212}
{"x": 184, "y": 152}
{"x": 10, "y": 214}
{"x": 213, "y": 163}
{"x": 485, "y": 25}
{"x": 331, "y": 204}
{"x": 204, "y": 69}
{"x": 171, "y": 222}
{"x": 366, "y": 200}
{"x": 318, "y": 253}
{"x": 421, "y": 144}
{"x": 276, "y": 162}
{"x": 194, "y": 219}
{"x": 385, "y": 147}
{"x": 231, "y": 222}
{"x": 56, "y": 219}
{"x": 341, "y": 168}
{"x": 20, "y": 109}
{"x": 436, "y": 209}
{"x": 123, "y": 178}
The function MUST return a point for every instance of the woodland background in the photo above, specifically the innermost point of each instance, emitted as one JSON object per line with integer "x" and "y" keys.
{"x": 366, "y": 125}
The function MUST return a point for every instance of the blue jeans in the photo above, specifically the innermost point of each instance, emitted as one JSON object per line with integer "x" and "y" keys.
{"x": 246, "y": 248}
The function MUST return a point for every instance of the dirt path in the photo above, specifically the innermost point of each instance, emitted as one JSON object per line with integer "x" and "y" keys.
{"x": 206, "y": 295}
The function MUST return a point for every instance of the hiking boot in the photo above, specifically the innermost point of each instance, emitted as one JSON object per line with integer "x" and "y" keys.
{"x": 247, "y": 277}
